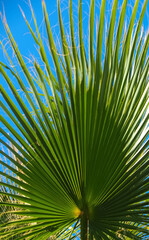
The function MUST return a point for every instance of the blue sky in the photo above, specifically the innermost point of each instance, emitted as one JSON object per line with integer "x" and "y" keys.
{"x": 21, "y": 32}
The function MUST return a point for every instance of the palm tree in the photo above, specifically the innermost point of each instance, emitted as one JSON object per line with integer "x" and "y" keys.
{"x": 82, "y": 166}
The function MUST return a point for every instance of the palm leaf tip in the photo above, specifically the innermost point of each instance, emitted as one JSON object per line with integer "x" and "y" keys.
{"x": 80, "y": 158}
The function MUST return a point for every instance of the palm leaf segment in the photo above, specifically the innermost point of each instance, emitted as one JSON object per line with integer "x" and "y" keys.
{"x": 83, "y": 159}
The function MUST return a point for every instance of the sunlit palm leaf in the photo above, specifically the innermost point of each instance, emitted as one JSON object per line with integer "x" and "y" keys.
{"x": 83, "y": 158}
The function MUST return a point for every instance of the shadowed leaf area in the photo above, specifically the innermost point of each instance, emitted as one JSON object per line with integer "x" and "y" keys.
{"x": 76, "y": 166}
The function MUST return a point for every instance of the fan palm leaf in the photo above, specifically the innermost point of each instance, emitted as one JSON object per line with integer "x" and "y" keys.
{"x": 82, "y": 164}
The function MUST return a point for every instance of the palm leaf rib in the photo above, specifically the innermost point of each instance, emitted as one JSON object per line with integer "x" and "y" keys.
{"x": 79, "y": 166}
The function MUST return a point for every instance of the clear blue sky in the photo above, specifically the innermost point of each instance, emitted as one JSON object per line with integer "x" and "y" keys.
{"x": 21, "y": 32}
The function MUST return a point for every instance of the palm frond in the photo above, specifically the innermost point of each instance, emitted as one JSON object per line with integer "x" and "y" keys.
{"x": 82, "y": 154}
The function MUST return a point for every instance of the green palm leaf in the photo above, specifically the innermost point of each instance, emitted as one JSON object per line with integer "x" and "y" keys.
{"x": 82, "y": 166}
